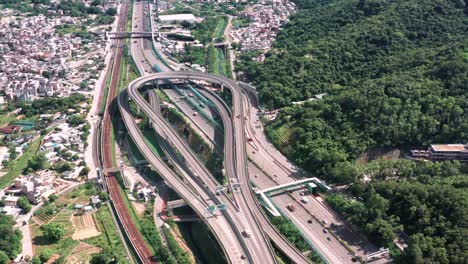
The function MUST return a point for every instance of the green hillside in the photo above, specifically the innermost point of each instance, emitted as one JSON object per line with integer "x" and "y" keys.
{"x": 342, "y": 45}
{"x": 396, "y": 75}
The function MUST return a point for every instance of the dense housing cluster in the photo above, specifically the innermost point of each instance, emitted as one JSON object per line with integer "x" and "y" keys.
{"x": 266, "y": 18}
{"x": 45, "y": 57}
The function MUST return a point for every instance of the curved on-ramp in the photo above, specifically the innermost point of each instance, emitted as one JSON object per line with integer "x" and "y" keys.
{"x": 237, "y": 161}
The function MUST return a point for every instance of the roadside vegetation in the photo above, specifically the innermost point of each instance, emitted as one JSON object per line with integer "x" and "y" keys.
{"x": 293, "y": 235}
{"x": 209, "y": 31}
{"x": 10, "y": 240}
{"x": 395, "y": 76}
{"x": 16, "y": 167}
{"x": 201, "y": 241}
{"x": 109, "y": 241}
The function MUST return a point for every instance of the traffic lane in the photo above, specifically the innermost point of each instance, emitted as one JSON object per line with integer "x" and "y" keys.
{"x": 328, "y": 245}
{"x": 361, "y": 246}
{"x": 239, "y": 137}
{"x": 319, "y": 210}
{"x": 191, "y": 113}
{"x": 246, "y": 199}
{"x": 244, "y": 206}
{"x": 189, "y": 158}
{"x": 257, "y": 127}
{"x": 259, "y": 154}
{"x": 284, "y": 200}
{"x": 249, "y": 221}
{"x": 218, "y": 230}
{"x": 143, "y": 54}
{"x": 283, "y": 245}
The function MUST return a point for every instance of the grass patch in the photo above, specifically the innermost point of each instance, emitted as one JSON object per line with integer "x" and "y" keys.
{"x": 220, "y": 28}
{"x": 16, "y": 167}
{"x": 106, "y": 92}
{"x": 292, "y": 233}
{"x": 5, "y": 119}
{"x": 151, "y": 138}
{"x": 134, "y": 149}
{"x": 110, "y": 239}
{"x": 284, "y": 132}
{"x": 180, "y": 255}
{"x": 63, "y": 247}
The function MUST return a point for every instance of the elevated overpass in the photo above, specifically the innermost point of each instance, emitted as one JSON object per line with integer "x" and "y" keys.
{"x": 127, "y": 34}
{"x": 192, "y": 194}
{"x": 235, "y": 159}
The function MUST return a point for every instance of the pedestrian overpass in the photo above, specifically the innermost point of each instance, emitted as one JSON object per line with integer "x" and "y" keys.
{"x": 312, "y": 185}
{"x": 128, "y": 34}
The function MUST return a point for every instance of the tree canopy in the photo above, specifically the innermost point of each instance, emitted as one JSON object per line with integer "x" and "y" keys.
{"x": 10, "y": 240}
{"x": 395, "y": 74}
{"x": 24, "y": 204}
{"x": 356, "y": 43}
{"x": 53, "y": 231}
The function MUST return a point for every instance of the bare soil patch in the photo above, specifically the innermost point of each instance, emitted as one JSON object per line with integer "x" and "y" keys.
{"x": 380, "y": 153}
{"x": 85, "y": 227}
{"x": 82, "y": 253}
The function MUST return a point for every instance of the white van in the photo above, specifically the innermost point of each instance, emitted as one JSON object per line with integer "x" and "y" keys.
{"x": 247, "y": 233}
{"x": 304, "y": 199}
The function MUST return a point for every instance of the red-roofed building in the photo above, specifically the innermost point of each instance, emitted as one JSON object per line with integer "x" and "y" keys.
{"x": 10, "y": 129}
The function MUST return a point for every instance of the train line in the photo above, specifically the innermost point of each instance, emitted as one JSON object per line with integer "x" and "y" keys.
{"x": 142, "y": 251}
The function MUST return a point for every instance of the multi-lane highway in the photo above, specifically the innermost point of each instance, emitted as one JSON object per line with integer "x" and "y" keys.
{"x": 247, "y": 206}
{"x": 187, "y": 189}
{"x": 256, "y": 243}
{"x": 247, "y": 229}
{"x": 252, "y": 205}
{"x": 227, "y": 233}
{"x": 202, "y": 185}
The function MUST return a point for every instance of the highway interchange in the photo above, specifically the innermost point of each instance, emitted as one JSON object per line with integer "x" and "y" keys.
{"x": 195, "y": 184}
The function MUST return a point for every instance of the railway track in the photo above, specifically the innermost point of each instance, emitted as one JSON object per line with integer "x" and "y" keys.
{"x": 133, "y": 235}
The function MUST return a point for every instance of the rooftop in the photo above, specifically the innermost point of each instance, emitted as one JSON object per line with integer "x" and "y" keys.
{"x": 449, "y": 147}
{"x": 177, "y": 17}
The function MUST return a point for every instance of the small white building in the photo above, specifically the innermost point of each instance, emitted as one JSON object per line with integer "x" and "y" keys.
{"x": 177, "y": 18}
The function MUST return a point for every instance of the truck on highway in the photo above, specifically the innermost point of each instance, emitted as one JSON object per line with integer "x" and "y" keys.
{"x": 246, "y": 233}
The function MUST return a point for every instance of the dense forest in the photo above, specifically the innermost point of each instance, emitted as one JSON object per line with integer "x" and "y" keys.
{"x": 395, "y": 74}
{"x": 333, "y": 47}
